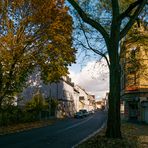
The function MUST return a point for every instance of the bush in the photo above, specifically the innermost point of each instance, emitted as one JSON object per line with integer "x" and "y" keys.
{"x": 53, "y": 103}
{"x": 37, "y": 108}
{"x": 10, "y": 115}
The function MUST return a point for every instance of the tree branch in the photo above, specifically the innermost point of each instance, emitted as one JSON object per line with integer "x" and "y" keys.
{"x": 132, "y": 19}
{"x": 94, "y": 50}
{"x": 127, "y": 12}
{"x": 90, "y": 21}
{"x": 115, "y": 8}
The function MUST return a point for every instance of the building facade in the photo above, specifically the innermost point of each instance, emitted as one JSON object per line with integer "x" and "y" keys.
{"x": 134, "y": 77}
{"x": 71, "y": 98}
{"x": 83, "y": 98}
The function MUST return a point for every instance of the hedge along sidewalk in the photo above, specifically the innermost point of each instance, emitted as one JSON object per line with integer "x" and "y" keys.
{"x": 25, "y": 126}
{"x": 134, "y": 136}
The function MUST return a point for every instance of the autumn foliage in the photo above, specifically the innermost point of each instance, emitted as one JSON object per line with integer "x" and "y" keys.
{"x": 33, "y": 33}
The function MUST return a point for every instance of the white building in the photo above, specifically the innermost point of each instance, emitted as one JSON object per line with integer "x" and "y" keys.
{"x": 86, "y": 101}
{"x": 70, "y": 98}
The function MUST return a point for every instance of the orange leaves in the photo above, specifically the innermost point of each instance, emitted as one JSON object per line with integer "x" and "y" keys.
{"x": 34, "y": 33}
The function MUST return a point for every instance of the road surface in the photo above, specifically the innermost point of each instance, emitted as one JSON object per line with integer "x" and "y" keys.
{"x": 62, "y": 134}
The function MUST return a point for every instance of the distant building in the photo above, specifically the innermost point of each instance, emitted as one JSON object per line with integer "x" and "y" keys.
{"x": 92, "y": 104}
{"x": 98, "y": 104}
{"x": 86, "y": 101}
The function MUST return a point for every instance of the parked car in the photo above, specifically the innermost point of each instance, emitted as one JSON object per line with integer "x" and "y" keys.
{"x": 79, "y": 114}
{"x": 91, "y": 112}
{"x": 85, "y": 112}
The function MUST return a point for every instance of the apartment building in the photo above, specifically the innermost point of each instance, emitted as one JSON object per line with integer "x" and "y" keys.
{"x": 134, "y": 76}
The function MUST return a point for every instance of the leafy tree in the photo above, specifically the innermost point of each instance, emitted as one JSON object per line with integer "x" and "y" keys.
{"x": 121, "y": 20}
{"x": 36, "y": 105}
{"x": 33, "y": 33}
{"x": 53, "y": 102}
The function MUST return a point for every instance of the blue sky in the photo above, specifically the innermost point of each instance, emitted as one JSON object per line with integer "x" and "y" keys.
{"x": 91, "y": 76}
{"x": 81, "y": 60}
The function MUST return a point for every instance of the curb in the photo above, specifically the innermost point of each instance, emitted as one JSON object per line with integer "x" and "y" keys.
{"x": 89, "y": 136}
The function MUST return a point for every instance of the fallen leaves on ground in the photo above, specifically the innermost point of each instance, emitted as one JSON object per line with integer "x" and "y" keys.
{"x": 25, "y": 126}
{"x": 134, "y": 136}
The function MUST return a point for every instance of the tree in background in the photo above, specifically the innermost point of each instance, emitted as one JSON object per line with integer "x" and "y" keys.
{"x": 33, "y": 33}
{"x": 122, "y": 18}
{"x": 36, "y": 105}
{"x": 53, "y": 103}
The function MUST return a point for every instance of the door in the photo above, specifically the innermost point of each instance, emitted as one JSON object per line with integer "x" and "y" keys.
{"x": 146, "y": 114}
{"x": 133, "y": 110}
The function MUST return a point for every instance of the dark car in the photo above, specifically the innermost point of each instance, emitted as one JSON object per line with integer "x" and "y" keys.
{"x": 79, "y": 115}
{"x": 85, "y": 112}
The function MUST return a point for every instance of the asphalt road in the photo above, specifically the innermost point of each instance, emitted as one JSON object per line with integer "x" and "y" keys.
{"x": 62, "y": 134}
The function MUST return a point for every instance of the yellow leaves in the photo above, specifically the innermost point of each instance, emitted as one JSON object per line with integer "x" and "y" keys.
{"x": 43, "y": 11}
{"x": 59, "y": 38}
{"x": 1, "y": 9}
{"x": 124, "y": 4}
{"x": 17, "y": 3}
{"x": 38, "y": 32}
{"x": 10, "y": 24}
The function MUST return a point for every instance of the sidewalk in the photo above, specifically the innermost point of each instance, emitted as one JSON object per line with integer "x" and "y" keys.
{"x": 134, "y": 136}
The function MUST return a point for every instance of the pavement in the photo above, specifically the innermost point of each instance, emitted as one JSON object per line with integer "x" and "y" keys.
{"x": 62, "y": 134}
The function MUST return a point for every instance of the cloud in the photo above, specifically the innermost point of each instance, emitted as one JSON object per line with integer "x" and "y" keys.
{"x": 94, "y": 78}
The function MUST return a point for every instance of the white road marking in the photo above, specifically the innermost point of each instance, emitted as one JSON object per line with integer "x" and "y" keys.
{"x": 72, "y": 126}
{"x": 91, "y": 135}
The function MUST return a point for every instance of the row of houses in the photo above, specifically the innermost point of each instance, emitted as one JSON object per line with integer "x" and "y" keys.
{"x": 70, "y": 97}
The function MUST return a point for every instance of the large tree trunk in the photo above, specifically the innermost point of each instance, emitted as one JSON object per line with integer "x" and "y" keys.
{"x": 113, "y": 123}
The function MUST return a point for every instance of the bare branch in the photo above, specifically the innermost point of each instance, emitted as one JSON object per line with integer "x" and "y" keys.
{"x": 127, "y": 12}
{"x": 132, "y": 19}
{"x": 94, "y": 50}
{"x": 90, "y": 21}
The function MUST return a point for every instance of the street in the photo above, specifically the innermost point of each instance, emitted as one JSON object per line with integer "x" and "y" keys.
{"x": 62, "y": 134}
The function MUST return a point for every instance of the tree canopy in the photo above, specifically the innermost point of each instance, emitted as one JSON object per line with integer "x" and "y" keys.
{"x": 33, "y": 33}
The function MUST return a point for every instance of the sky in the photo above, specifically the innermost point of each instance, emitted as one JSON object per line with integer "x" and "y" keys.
{"x": 90, "y": 75}
{"x": 93, "y": 77}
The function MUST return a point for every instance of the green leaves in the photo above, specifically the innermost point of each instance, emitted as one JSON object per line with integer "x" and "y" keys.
{"x": 37, "y": 103}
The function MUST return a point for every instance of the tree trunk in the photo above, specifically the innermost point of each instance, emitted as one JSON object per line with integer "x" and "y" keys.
{"x": 1, "y": 100}
{"x": 113, "y": 123}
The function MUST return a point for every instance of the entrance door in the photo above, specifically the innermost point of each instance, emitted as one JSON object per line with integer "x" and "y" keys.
{"x": 133, "y": 110}
{"x": 146, "y": 114}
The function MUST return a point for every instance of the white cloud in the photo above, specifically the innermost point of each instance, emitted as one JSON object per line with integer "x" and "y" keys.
{"x": 94, "y": 78}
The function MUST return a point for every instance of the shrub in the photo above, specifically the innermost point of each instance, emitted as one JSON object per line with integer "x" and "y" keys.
{"x": 36, "y": 106}
{"x": 34, "y": 109}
